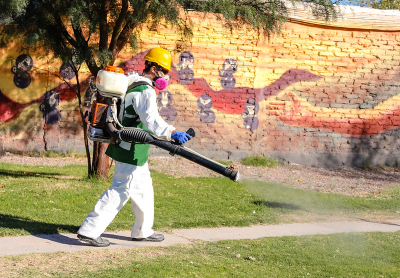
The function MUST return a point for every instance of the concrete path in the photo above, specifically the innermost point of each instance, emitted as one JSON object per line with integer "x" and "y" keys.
{"x": 119, "y": 240}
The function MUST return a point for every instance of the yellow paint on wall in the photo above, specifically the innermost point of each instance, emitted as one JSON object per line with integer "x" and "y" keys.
{"x": 30, "y": 120}
{"x": 38, "y": 86}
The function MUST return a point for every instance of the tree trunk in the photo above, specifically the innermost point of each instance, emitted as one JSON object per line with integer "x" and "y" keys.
{"x": 100, "y": 163}
{"x": 86, "y": 141}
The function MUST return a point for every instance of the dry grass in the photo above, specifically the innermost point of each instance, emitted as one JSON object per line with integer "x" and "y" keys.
{"x": 71, "y": 264}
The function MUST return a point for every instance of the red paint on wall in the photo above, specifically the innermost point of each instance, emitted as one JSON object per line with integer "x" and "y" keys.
{"x": 10, "y": 110}
{"x": 233, "y": 101}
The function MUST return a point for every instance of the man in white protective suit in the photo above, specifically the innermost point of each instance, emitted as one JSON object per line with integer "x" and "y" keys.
{"x": 132, "y": 179}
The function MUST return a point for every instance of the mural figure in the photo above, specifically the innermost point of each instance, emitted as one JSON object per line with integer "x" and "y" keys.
{"x": 66, "y": 72}
{"x": 251, "y": 108}
{"x": 185, "y": 67}
{"x": 204, "y": 104}
{"x": 165, "y": 108}
{"x": 51, "y": 100}
{"x": 24, "y": 63}
{"x": 229, "y": 67}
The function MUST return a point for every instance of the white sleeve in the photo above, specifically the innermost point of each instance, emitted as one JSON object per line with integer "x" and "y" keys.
{"x": 145, "y": 105}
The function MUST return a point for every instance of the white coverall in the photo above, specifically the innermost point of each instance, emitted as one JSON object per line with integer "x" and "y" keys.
{"x": 131, "y": 181}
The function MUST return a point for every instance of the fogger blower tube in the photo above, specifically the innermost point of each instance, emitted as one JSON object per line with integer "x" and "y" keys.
{"x": 141, "y": 136}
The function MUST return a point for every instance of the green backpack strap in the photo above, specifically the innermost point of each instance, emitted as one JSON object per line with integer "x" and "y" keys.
{"x": 135, "y": 84}
{"x": 134, "y": 94}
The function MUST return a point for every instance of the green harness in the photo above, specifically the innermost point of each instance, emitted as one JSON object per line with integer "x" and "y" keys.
{"x": 131, "y": 153}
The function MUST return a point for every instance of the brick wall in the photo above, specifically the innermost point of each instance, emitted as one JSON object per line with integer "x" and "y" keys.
{"x": 315, "y": 95}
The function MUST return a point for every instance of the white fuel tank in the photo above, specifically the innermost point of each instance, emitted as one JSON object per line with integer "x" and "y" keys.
{"x": 111, "y": 81}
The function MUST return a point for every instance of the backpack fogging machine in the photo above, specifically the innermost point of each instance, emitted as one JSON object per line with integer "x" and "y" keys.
{"x": 105, "y": 117}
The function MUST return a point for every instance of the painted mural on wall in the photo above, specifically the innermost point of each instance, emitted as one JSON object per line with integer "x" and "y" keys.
{"x": 185, "y": 67}
{"x": 10, "y": 110}
{"x": 229, "y": 67}
{"x": 249, "y": 115}
{"x": 66, "y": 72}
{"x": 23, "y": 64}
{"x": 311, "y": 89}
{"x": 165, "y": 108}
{"x": 295, "y": 111}
{"x": 51, "y": 100}
{"x": 204, "y": 104}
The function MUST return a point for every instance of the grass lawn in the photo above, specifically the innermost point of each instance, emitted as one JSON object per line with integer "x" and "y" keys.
{"x": 339, "y": 255}
{"x": 42, "y": 199}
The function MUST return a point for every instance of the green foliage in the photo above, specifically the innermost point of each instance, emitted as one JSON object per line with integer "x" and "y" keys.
{"x": 265, "y": 17}
{"x": 377, "y": 4}
{"x": 66, "y": 28}
{"x": 258, "y": 160}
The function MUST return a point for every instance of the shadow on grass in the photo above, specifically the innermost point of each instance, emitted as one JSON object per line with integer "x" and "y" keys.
{"x": 277, "y": 205}
{"x": 34, "y": 227}
{"x": 36, "y": 174}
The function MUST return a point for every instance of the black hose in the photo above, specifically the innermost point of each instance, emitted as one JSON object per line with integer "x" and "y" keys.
{"x": 208, "y": 163}
{"x": 129, "y": 135}
{"x": 136, "y": 135}
{"x": 141, "y": 136}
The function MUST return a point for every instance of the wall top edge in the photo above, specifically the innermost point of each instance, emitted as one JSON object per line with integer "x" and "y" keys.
{"x": 353, "y": 17}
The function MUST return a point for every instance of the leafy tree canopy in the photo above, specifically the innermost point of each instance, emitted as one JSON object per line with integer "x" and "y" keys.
{"x": 95, "y": 31}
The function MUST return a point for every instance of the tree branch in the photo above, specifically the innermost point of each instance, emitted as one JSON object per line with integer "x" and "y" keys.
{"x": 61, "y": 26}
{"x": 118, "y": 24}
{"x": 122, "y": 40}
{"x": 83, "y": 43}
{"x": 79, "y": 36}
{"x": 126, "y": 32}
{"x": 103, "y": 43}
{"x": 90, "y": 62}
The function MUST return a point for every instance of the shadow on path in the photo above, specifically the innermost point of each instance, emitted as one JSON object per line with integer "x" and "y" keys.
{"x": 34, "y": 227}
{"x": 62, "y": 239}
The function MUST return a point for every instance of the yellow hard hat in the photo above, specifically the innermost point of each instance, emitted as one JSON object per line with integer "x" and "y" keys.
{"x": 160, "y": 56}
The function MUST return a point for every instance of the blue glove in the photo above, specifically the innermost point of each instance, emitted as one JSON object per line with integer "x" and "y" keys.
{"x": 181, "y": 136}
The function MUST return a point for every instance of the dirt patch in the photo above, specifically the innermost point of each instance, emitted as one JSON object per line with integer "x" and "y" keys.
{"x": 70, "y": 264}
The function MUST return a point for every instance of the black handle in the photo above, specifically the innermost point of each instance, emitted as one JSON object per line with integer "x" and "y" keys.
{"x": 191, "y": 132}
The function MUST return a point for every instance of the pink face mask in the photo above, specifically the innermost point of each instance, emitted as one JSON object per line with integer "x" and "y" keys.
{"x": 161, "y": 83}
